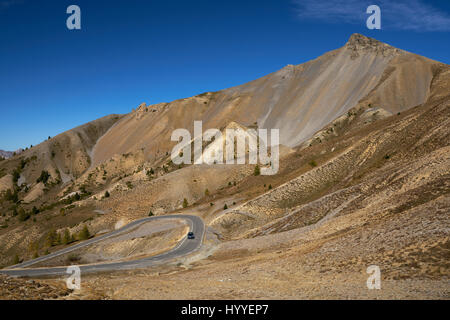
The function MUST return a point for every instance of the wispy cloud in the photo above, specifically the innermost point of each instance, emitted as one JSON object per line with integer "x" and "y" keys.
{"x": 412, "y": 15}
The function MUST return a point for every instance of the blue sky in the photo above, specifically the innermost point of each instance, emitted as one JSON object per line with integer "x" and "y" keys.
{"x": 127, "y": 52}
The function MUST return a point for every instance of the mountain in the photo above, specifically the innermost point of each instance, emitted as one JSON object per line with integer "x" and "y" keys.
{"x": 299, "y": 100}
{"x": 363, "y": 177}
{"x": 65, "y": 156}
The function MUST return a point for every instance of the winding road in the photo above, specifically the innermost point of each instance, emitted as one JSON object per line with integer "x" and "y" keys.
{"x": 184, "y": 247}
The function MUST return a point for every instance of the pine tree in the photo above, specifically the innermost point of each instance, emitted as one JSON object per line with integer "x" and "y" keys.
{"x": 185, "y": 203}
{"x": 84, "y": 233}
{"x": 66, "y": 237}
{"x": 257, "y": 171}
{"x": 58, "y": 239}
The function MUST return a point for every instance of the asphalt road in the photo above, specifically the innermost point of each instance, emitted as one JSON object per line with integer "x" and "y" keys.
{"x": 184, "y": 247}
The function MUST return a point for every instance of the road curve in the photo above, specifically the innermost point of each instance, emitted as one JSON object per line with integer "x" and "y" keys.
{"x": 184, "y": 247}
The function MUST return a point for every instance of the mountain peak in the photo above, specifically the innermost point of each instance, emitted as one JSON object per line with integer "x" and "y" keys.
{"x": 358, "y": 38}
{"x": 358, "y": 43}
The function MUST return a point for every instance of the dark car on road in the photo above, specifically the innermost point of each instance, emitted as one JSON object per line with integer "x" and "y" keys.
{"x": 191, "y": 235}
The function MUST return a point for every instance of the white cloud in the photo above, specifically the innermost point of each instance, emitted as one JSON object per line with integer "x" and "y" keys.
{"x": 400, "y": 15}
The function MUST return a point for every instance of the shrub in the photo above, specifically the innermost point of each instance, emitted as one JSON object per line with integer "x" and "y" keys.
{"x": 206, "y": 192}
{"x": 43, "y": 177}
{"x": 185, "y": 203}
{"x": 33, "y": 246}
{"x": 313, "y": 163}
{"x": 83, "y": 189}
{"x": 150, "y": 214}
{"x": 23, "y": 163}
{"x": 23, "y": 215}
{"x": 73, "y": 258}
{"x": 225, "y": 207}
{"x": 257, "y": 171}
{"x": 16, "y": 175}
{"x": 16, "y": 259}
{"x": 107, "y": 194}
{"x": 11, "y": 196}
{"x": 270, "y": 187}
{"x": 15, "y": 197}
